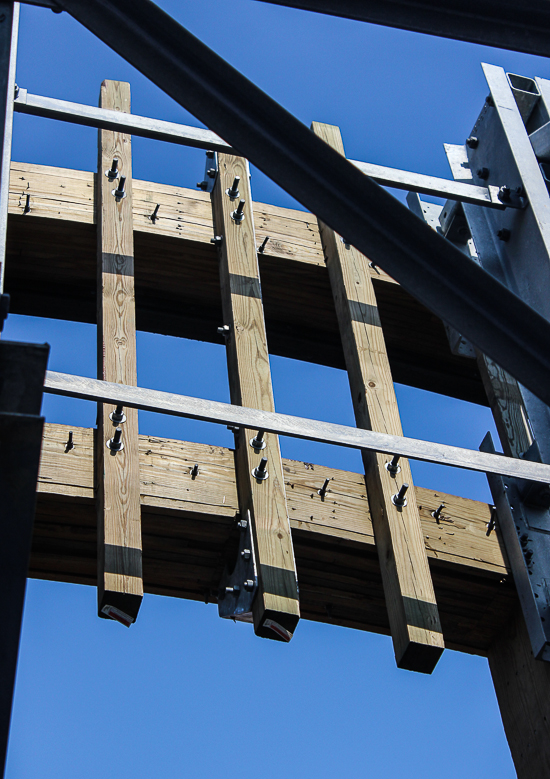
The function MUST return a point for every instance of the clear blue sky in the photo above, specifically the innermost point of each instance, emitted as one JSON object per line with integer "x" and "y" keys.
{"x": 183, "y": 693}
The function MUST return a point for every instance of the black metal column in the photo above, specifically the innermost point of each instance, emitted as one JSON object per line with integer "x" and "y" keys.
{"x": 22, "y": 371}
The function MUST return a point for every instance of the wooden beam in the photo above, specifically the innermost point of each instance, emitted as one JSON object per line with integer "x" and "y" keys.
{"x": 276, "y": 604}
{"x": 522, "y": 686}
{"x": 177, "y": 290}
{"x": 410, "y": 598}
{"x": 189, "y": 529}
{"x": 120, "y": 579}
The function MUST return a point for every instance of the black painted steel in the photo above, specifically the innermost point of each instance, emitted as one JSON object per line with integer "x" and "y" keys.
{"x": 506, "y": 24}
{"x": 22, "y": 371}
{"x": 431, "y": 269}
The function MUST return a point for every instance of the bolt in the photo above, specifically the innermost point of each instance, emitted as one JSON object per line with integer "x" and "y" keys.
{"x": 119, "y": 192}
{"x": 112, "y": 174}
{"x": 483, "y": 173}
{"x": 264, "y": 244}
{"x": 504, "y": 234}
{"x": 437, "y": 513}
{"x": 504, "y": 194}
{"x": 194, "y": 471}
{"x": 242, "y": 523}
{"x": 323, "y": 491}
{"x": 224, "y": 330}
{"x": 249, "y": 584}
{"x": 238, "y": 215}
{"x": 217, "y": 240}
{"x": 399, "y": 500}
{"x": 202, "y": 185}
{"x": 233, "y": 191}
{"x": 258, "y": 441}
{"x": 235, "y": 589}
{"x": 472, "y": 142}
{"x": 492, "y": 521}
{"x": 246, "y": 554}
{"x": 115, "y": 444}
{"x": 117, "y": 417}
{"x": 393, "y": 466}
{"x": 260, "y": 472}
{"x": 70, "y": 444}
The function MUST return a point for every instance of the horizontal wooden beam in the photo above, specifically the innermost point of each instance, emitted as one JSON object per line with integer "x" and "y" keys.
{"x": 177, "y": 278}
{"x": 188, "y": 527}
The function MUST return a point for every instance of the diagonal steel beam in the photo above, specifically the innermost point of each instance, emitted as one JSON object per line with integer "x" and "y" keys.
{"x": 507, "y": 24}
{"x": 427, "y": 266}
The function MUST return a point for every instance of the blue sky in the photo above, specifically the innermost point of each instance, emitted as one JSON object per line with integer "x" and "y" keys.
{"x": 183, "y": 693}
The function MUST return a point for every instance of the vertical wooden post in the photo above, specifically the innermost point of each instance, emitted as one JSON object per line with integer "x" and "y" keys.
{"x": 408, "y": 588}
{"x": 120, "y": 582}
{"x": 522, "y": 686}
{"x": 276, "y": 607}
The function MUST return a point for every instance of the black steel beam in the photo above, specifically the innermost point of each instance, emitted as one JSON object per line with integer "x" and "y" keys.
{"x": 22, "y": 371}
{"x": 429, "y": 267}
{"x": 507, "y": 24}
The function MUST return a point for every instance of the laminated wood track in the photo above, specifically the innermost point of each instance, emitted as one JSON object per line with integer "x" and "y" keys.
{"x": 189, "y": 531}
{"x": 50, "y": 271}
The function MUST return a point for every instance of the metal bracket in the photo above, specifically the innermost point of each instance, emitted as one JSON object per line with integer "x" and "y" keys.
{"x": 525, "y": 529}
{"x": 448, "y": 220}
{"x": 210, "y": 172}
{"x": 239, "y": 585}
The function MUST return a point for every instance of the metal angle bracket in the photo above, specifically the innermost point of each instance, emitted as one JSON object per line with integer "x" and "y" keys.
{"x": 239, "y": 584}
{"x": 448, "y": 220}
{"x": 525, "y": 529}
{"x": 210, "y": 172}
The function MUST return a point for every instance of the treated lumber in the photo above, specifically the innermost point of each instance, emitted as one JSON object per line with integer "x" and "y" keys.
{"x": 177, "y": 290}
{"x": 522, "y": 686}
{"x": 119, "y": 570}
{"x": 410, "y": 598}
{"x": 263, "y": 499}
{"x": 189, "y": 528}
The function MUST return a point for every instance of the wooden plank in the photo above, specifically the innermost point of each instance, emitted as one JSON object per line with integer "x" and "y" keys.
{"x": 507, "y": 406}
{"x": 250, "y": 385}
{"x": 166, "y": 482}
{"x": 410, "y": 598}
{"x": 188, "y": 526}
{"x": 522, "y": 686}
{"x": 120, "y": 578}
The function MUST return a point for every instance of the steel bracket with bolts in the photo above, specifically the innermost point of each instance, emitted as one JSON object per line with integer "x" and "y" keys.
{"x": 524, "y": 522}
{"x": 239, "y": 583}
{"x": 210, "y": 172}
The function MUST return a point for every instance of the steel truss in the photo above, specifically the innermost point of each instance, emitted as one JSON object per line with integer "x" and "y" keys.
{"x": 469, "y": 296}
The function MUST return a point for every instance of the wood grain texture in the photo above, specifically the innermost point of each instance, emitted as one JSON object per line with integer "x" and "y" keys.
{"x": 120, "y": 582}
{"x": 507, "y": 406}
{"x": 250, "y": 385}
{"x": 189, "y": 526}
{"x": 178, "y": 281}
{"x": 522, "y": 686}
{"x": 410, "y": 597}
